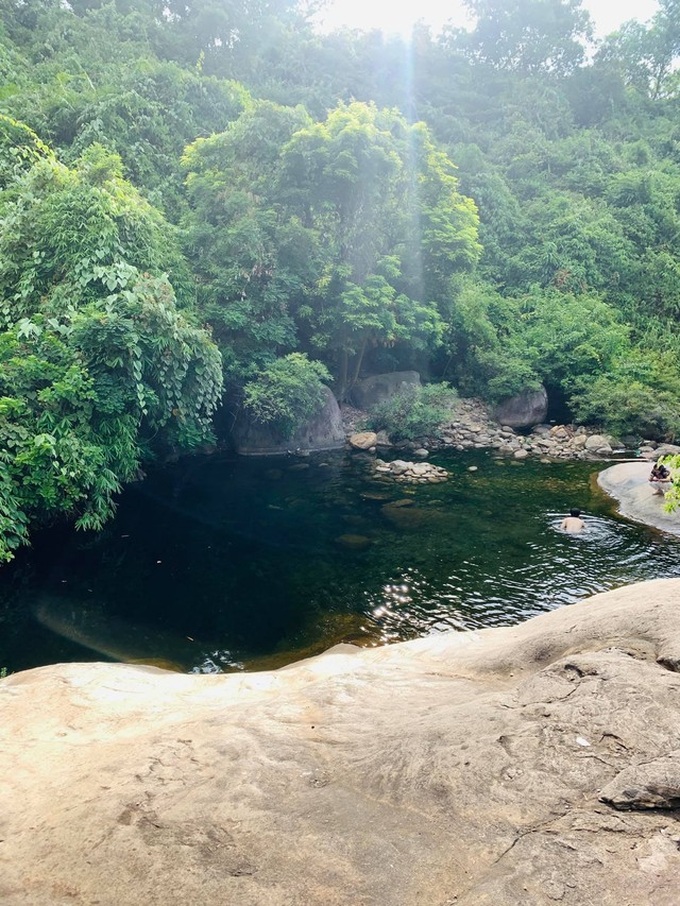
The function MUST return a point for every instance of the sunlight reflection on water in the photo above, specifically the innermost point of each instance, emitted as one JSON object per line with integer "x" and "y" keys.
{"x": 220, "y": 566}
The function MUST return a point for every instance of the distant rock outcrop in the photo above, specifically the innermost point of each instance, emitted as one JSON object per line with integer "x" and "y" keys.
{"x": 524, "y": 765}
{"x": 524, "y": 410}
{"x": 380, "y": 387}
{"x": 322, "y": 432}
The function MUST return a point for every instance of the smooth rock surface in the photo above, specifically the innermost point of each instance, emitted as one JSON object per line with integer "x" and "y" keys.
{"x": 628, "y": 483}
{"x": 463, "y": 768}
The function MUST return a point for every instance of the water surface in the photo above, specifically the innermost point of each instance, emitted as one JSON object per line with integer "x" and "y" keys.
{"x": 226, "y": 563}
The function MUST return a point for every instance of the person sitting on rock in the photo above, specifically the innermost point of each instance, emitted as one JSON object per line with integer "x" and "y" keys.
{"x": 660, "y": 477}
{"x": 659, "y": 472}
{"x": 573, "y": 522}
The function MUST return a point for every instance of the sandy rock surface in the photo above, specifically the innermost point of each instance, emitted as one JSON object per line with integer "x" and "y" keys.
{"x": 464, "y": 768}
{"x": 628, "y": 483}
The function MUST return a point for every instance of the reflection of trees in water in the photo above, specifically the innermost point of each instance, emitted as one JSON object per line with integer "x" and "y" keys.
{"x": 251, "y": 568}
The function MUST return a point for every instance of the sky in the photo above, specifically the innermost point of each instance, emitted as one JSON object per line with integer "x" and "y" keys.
{"x": 397, "y": 16}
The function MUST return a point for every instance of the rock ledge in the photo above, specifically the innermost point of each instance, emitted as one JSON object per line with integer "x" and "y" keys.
{"x": 462, "y": 768}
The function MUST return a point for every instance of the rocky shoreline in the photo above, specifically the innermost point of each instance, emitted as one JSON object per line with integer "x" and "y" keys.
{"x": 472, "y": 427}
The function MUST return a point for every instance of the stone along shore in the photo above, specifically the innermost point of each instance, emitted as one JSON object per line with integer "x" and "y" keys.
{"x": 472, "y": 427}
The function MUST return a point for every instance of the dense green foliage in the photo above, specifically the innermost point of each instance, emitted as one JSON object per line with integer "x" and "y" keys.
{"x": 339, "y": 236}
{"x": 414, "y": 412}
{"x": 672, "y": 495}
{"x": 497, "y": 207}
{"x": 288, "y": 393}
{"x": 99, "y": 372}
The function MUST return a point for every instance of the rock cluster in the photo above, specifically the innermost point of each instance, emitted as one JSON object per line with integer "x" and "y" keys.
{"x": 473, "y": 427}
{"x": 411, "y": 472}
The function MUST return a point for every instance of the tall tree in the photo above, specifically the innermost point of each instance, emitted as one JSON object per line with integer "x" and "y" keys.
{"x": 528, "y": 35}
{"x": 351, "y": 229}
{"x": 98, "y": 370}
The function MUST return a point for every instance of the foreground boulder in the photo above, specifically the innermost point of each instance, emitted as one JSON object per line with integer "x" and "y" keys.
{"x": 528, "y": 765}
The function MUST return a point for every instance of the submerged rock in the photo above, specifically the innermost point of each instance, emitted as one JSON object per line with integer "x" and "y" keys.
{"x": 354, "y": 542}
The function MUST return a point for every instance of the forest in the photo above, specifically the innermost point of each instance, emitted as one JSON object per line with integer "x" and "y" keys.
{"x": 208, "y": 205}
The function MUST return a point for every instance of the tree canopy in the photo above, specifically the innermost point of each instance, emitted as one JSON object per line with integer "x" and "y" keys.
{"x": 210, "y": 200}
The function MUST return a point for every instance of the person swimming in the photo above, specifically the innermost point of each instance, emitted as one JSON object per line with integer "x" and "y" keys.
{"x": 573, "y": 522}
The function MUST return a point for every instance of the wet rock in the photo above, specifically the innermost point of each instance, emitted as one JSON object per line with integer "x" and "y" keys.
{"x": 472, "y": 428}
{"x": 598, "y": 443}
{"x": 667, "y": 450}
{"x": 414, "y": 472}
{"x": 525, "y": 409}
{"x": 324, "y": 431}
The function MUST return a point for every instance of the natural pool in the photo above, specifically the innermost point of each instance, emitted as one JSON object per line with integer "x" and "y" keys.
{"x": 226, "y": 563}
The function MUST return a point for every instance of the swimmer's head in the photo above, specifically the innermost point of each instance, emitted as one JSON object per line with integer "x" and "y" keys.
{"x": 575, "y": 513}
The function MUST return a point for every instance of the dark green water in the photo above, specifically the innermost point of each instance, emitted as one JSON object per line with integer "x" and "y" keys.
{"x": 224, "y": 563}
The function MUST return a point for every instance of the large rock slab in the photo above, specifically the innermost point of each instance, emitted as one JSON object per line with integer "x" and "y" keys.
{"x": 628, "y": 483}
{"x": 462, "y": 768}
{"x": 380, "y": 387}
{"x": 530, "y": 407}
{"x": 322, "y": 432}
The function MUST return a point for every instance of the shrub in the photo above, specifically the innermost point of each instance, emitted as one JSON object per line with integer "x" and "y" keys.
{"x": 287, "y": 393}
{"x": 627, "y": 407}
{"x": 672, "y": 495}
{"x": 413, "y": 412}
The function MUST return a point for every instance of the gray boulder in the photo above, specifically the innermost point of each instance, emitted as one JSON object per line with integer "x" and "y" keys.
{"x": 530, "y": 407}
{"x": 381, "y": 387}
{"x": 322, "y": 432}
{"x": 599, "y": 443}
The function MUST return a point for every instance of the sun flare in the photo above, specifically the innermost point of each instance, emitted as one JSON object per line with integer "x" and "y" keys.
{"x": 399, "y": 18}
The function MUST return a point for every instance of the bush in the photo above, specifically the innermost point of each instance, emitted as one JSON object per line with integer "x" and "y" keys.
{"x": 627, "y": 407}
{"x": 672, "y": 495}
{"x": 413, "y": 412}
{"x": 287, "y": 393}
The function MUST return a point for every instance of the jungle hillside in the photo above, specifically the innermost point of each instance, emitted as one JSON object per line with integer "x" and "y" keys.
{"x": 207, "y": 206}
